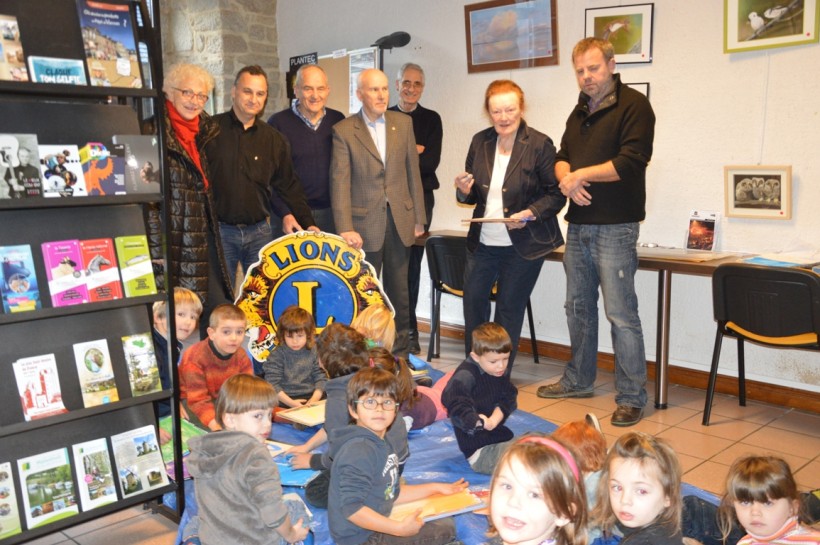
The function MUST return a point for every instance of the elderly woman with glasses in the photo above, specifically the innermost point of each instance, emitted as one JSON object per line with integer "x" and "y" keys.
{"x": 195, "y": 251}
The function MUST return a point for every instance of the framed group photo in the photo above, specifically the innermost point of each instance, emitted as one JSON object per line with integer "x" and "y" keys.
{"x": 509, "y": 34}
{"x": 627, "y": 28}
{"x": 762, "y": 24}
{"x": 758, "y": 191}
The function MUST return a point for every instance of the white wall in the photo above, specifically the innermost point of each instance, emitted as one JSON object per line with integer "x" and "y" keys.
{"x": 712, "y": 110}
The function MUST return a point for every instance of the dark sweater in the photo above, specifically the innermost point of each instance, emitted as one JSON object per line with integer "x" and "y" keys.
{"x": 311, "y": 151}
{"x": 654, "y": 534}
{"x": 621, "y": 131}
{"x": 428, "y": 132}
{"x": 471, "y": 392}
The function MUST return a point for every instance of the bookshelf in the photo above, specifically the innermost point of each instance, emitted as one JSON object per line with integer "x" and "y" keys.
{"x": 74, "y": 115}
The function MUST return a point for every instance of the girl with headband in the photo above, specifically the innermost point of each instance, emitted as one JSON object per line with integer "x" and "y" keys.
{"x": 537, "y": 495}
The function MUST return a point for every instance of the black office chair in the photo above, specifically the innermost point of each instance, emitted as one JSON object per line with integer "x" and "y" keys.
{"x": 447, "y": 259}
{"x": 773, "y": 306}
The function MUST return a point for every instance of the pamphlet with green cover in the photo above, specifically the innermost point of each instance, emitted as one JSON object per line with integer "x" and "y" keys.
{"x": 135, "y": 265}
{"x": 188, "y": 431}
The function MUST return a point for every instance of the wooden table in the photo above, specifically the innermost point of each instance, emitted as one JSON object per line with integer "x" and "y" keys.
{"x": 666, "y": 261}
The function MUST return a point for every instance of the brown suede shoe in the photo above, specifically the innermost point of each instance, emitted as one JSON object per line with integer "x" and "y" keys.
{"x": 626, "y": 416}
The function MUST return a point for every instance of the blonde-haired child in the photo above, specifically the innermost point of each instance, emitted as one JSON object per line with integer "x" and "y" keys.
{"x": 293, "y": 368}
{"x": 376, "y": 324}
{"x": 639, "y": 493}
{"x": 537, "y": 495}
{"x": 762, "y": 496}
{"x": 238, "y": 488}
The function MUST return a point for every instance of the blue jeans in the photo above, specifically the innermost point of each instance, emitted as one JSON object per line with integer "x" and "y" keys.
{"x": 605, "y": 256}
{"x": 516, "y": 278}
{"x": 241, "y": 244}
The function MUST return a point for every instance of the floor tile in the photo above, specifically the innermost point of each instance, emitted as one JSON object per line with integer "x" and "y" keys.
{"x": 688, "y": 462}
{"x": 806, "y": 446}
{"x": 670, "y": 416}
{"x": 147, "y": 529}
{"x": 760, "y": 413}
{"x": 720, "y": 426}
{"x": 808, "y": 478}
{"x": 738, "y": 450}
{"x": 51, "y": 539}
{"x": 104, "y": 522}
{"x": 798, "y": 421}
{"x": 694, "y": 443}
{"x": 645, "y": 426}
{"x": 565, "y": 411}
{"x": 531, "y": 403}
{"x": 709, "y": 476}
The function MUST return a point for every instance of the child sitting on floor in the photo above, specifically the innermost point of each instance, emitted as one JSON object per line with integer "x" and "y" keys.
{"x": 364, "y": 482}
{"x": 238, "y": 489}
{"x": 210, "y": 362}
{"x": 762, "y": 496}
{"x": 342, "y": 351}
{"x": 639, "y": 493}
{"x": 293, "y": 368}
{"x": 187, "y": 309}
{"x": 537, "y": 495}
{"x": 480, "y": 397}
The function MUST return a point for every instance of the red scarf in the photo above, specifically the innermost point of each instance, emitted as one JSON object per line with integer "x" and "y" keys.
{"x": 186, "y": 132}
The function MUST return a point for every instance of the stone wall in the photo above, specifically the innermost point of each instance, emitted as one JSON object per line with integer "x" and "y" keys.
{"x": 223, "y": 36}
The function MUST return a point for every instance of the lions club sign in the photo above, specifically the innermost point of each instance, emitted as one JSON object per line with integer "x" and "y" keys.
{"x": 319, "y": 272}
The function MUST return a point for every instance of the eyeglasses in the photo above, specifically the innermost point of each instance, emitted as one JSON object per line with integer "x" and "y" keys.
{"x": 406, "y": 84}
{"x": 190, "y": 95}
{"x": 371, "y": 404}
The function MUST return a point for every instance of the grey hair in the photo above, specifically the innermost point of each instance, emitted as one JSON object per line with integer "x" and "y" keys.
{"x": 182, "y": 72}
{"x": 410, "y": 66}
{"x": 299, "y": 73}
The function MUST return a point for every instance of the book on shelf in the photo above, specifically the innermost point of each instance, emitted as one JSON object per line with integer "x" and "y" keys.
{"x": 64, "y": 269}
{"x": 19, "y": 166}
{"x": 12, "y": 58}
{"x": 138, "y": 460}
{"x": 143, "y": 373}
{"x": 142, "y": 172}
{"x": 9, "y": 512}
{"x": 95, "y": 476}
{"x": 56, "y": 70}
{"x": 39, "y": 386}
{"x": 135, "y": 265}
{"x": 95, "y": 372}
{"x": 311, "y": 415}
{"x": 439, "y": 506}
{"x": 103, "y": 169}
{"x": 111, "y": 54}
{"x": 47, "y": 487}
{"x": 62, "y": 171}
{"x": 287, "y": 474}
{"x": 102, "y": 275}
{"x": 19, "y": 284}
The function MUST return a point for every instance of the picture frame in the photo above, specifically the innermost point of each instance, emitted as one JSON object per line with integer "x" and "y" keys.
{"x": 758, "y": 191}
{"x": 628, "y": 28}
{"x": 509, "y": 34}
{"x": 642, "y": 87}
{"x": 758, "y": 24}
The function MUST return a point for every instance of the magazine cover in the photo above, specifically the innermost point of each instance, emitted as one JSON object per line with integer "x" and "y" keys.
{"x": 702, "y": 230}
{"x": 56, "y": 70}
{"x": 103, "y": 169}
{"x": 139, "y": 462}
{"x": 62, "y": 171}
{"x": 48, "y": 489}
{"x": 102, "y": 276}
{"x": 95, "y": 478}
{"x": 19, "y": 286}
{"x": 110, "y": 46}
{"x": 141, "y": 162}
{"x": 95, "y": 372}
{"x": 39, "y": 386}
{"x": 12, "y": 59}
{"x": 19, "y": 167}
{"x": 66, "y": 282}
{"x": 9, "y": 513}
{"x": 135, "y": 265}
{"x": 143, "y": 373}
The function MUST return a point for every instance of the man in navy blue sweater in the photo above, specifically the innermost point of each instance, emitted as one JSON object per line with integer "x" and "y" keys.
{"x": 307, "y": 125}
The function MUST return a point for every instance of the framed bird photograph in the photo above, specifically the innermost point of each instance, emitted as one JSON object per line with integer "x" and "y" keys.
{"x": 758, "y": 191}
{"x": 762, "y": 24}
{"x": 627, "y": 28}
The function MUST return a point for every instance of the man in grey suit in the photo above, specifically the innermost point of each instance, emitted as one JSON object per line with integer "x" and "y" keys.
{"x": 376, "y": 193}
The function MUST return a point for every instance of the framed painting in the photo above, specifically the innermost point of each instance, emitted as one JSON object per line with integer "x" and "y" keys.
{"x": 761, "y": 24}
{"x": 508, "y": 34}
{"x": 627, "y": 28}
{"x": 642, "y": 87}
{"x": 758, "y": 191}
